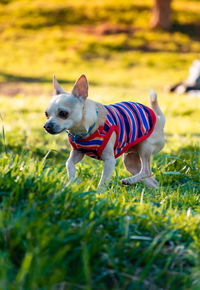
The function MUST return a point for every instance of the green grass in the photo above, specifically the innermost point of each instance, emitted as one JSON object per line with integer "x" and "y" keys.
{"x": 55, "y": 235}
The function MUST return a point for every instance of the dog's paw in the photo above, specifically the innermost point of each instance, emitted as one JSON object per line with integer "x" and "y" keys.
{"x": 150, "y": 182}
{"x": 102, "y": 188}
{"x": 126, "y": 181}
{"x": 78, "y": 182}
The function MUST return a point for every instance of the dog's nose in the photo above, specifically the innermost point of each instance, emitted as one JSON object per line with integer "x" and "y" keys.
{"x": 47, "y": 127}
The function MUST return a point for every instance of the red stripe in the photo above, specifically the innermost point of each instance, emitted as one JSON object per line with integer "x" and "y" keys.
{"x": 142, "y": 138}
{"x": 119, "y": 116}
{"x": 136, "y": 123}
{"x": 145, "y": 114}
{"x": 109, "y": 124}
{"x": 107, "y": 138}
{"x": 72, "y": 143}
{"x": 130, "y": 121}
{"x": 143, "y": 128}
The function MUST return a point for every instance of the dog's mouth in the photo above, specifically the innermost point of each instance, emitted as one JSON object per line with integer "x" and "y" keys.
{"x": 52, "y": 131}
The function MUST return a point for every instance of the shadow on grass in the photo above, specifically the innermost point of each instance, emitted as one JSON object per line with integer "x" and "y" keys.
{"x": 189, "y": 152}
{"x": 196, "y": 135}
{"x": 20, "y": 78}
{"x": 64, "y": 15}
{"x": 13, "y": 84}
{"x": 190, "y": 29}
{"x": 56, "y": 156}
{"x": 179, "y": 168}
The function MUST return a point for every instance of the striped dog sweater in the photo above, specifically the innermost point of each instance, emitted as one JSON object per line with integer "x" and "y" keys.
{"x": 132, "y": 122}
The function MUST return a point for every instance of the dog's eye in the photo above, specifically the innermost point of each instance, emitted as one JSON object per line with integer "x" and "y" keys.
{"x": 47, "y": 115}
{"x": 63, "y": 114}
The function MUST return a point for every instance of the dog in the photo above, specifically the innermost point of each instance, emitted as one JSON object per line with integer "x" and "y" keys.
{"x": 105, "y": 132}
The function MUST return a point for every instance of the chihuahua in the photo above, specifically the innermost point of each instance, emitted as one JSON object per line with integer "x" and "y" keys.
{"x": 104, "y": 132}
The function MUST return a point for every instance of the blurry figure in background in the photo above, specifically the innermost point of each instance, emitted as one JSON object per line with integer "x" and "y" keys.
{"x": 192, "y": 83}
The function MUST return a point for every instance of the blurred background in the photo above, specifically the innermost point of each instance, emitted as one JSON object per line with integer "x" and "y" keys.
{"x": 116, "y": 43}
{"x": 125, "y": 48}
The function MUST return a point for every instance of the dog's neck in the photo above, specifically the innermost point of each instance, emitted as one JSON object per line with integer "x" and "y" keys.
{"x": 90, "y": 115}
{"x": 91, "y": 120}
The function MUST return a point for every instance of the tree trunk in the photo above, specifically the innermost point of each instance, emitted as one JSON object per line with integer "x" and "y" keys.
{"x": 161, "y": 14}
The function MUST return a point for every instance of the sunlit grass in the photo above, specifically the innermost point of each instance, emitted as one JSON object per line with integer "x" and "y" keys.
{"x": 40, "y": 39}
{"x": 49, "y": 225}
{"x": 56, "y": 235}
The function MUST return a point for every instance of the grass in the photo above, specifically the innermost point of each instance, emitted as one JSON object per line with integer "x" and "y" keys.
{"x": 55, "y": 235}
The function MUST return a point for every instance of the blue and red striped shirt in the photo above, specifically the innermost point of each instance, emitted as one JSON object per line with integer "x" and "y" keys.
{"x": 132, "y": 122}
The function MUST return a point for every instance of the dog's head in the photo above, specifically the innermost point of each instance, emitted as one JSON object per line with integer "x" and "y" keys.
{"x": 65, "y": 110}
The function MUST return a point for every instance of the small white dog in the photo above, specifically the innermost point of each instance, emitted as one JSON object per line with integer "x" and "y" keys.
{"x": 106, "y": 132}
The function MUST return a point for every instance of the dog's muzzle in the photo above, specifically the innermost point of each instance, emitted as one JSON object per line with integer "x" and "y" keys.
{"x": 52, "y": 129}
{"x": 49, "y": 128}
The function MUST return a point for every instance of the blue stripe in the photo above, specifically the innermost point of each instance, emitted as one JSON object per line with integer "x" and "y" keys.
{"x": 121, "y": 132}
{"x": 128, "y": 127}
{"x": 125, "y": 118}
{"x": 91, "y": 142}
{"x": 141, "y": 119}
{"x": 144, "y": 120}
{"x": 148, "y": 116}
{"x": 132, "y": 113}
{"x": 111, "y": 117}
{"x": 135, "y": 122}
{"x": 106, "y": 128}
{"x": 138, "y": 115}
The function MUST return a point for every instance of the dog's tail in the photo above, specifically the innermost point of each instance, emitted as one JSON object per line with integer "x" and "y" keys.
{"x": 154, "y": 105}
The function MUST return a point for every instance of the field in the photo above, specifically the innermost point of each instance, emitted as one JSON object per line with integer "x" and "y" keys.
{"x": 56, "y": 235}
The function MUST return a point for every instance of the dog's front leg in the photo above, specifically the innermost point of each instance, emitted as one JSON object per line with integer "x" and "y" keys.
{"x": 74, "y": 158}
{"x": 109, "y": 161}
{"x": 108, "y": 167}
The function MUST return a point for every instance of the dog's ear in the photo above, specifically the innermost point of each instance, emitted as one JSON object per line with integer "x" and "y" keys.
{"x": 56, "y": 87}
{"x": 80, "y": 89}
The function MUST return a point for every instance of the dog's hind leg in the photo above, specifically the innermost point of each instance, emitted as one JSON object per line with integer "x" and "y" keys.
{"x": 138, "y": 164}
{"x": 132, "y": 162}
